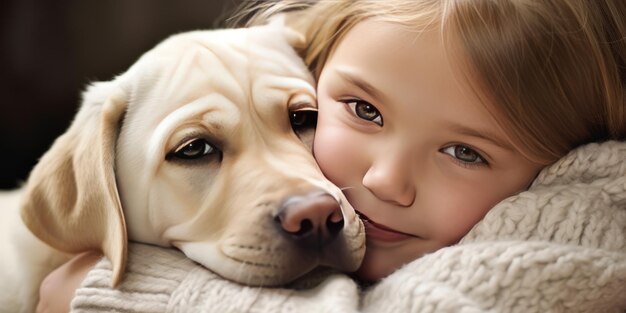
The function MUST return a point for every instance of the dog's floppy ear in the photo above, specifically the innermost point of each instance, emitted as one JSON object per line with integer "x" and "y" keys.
{"x": 294, "y": 38}
{"x": 71, "y": 200}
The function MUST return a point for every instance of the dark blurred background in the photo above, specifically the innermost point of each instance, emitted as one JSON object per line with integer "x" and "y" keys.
{"x": 50, "y": 50}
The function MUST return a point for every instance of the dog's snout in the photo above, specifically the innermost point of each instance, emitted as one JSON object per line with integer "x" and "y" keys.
{"x": 315, "y": 218}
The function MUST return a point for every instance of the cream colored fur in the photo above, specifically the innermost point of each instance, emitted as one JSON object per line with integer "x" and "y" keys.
{"x": 112, "y": 176}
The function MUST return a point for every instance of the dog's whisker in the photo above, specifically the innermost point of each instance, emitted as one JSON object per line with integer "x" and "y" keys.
{"x": 258, "y": 290}
{"x": 345, "y": 188}
{"x": 241, "y": 270}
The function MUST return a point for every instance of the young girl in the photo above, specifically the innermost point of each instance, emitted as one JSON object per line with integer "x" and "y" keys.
{"x": 433, "y": 111}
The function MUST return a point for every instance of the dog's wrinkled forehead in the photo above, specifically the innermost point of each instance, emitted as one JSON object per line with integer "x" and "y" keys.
{"x": 255, "y": 66}
{"x": 210, "y": 84}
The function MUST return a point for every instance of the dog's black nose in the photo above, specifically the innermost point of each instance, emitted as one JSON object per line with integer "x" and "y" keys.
{"x": 313, "y": 219}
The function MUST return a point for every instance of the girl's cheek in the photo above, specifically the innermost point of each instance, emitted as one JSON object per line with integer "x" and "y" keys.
{"x": 332, "y": 153}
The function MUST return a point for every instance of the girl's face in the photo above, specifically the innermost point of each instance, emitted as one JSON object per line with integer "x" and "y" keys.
{"x": 418, "y": 155}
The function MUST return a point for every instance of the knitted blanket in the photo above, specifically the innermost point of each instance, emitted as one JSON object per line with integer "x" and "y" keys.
{"x": 558, "y": 247}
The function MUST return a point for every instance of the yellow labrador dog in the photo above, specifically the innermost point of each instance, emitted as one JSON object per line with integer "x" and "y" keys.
{"x": 193, "y": 147}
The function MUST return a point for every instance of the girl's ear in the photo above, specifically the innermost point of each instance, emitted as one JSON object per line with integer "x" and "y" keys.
{"x": 71, "y": 200}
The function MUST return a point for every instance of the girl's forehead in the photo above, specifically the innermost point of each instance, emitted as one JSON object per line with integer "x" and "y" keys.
{"x": 391, "y": 55}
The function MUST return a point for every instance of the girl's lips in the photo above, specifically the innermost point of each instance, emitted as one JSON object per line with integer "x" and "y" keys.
{"x": 381, "y": 232}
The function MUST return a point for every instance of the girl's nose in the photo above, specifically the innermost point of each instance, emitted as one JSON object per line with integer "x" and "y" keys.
{"x": 391, "y": 182}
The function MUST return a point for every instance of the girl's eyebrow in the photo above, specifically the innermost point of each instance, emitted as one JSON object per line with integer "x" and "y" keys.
{"x": 482, "y": 134}
{"x": 360, "y": 83}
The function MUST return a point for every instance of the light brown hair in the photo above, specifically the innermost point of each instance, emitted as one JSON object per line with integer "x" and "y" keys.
{"x": 550, "y": 71}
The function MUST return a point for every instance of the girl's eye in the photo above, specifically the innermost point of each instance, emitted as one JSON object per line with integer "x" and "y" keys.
{"x": 193, "y": 149}
{"x": 464, "y": 154}
{"x": 365, "y": 111}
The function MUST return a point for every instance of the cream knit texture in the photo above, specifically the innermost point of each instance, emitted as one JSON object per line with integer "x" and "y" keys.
{"x": 560, "y": 246}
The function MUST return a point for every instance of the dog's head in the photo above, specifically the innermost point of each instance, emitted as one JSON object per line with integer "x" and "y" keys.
{"x": 194, "y": 147}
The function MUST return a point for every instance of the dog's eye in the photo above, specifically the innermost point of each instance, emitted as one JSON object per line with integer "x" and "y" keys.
{"x": 194, "y": 149}
{"x": 303, "y": 119}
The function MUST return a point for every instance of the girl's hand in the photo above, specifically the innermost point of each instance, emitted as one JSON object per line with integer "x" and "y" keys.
{"x": 57, "y": 289}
